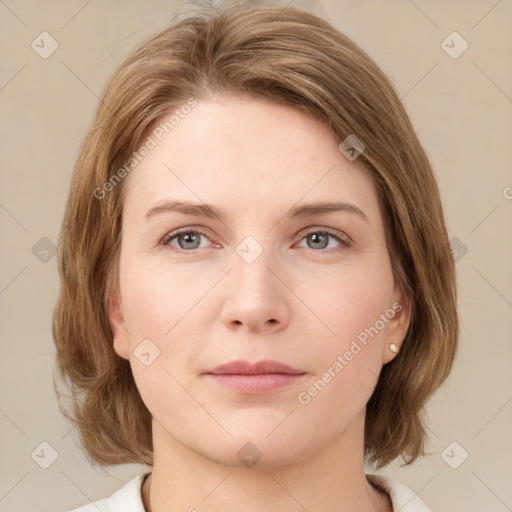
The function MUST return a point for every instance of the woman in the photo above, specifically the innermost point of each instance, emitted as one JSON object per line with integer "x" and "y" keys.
{"x": 258, "y": 294}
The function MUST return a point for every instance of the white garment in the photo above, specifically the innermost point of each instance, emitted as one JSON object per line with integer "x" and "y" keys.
{"x": 129, "y": 499}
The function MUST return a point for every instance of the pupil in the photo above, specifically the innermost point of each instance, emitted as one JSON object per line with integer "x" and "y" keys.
{"x": 316, "y": 238}
{"x": 189, "y": 238}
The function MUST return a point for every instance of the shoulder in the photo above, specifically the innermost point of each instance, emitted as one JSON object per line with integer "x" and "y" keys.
{"x": 402, "y": 498}
{"x": 126, "y": 499}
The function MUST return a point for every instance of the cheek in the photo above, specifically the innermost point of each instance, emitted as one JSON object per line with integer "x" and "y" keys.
{"x": 158, "y": 299}
{"x": 349, "y": 340}
{"x": 347, "y": 301}
{"x": 157, "y": 306}
{"x": 163, "y": 308}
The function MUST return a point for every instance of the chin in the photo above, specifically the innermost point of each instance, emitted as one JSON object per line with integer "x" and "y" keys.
{"x": 254, "y": 450}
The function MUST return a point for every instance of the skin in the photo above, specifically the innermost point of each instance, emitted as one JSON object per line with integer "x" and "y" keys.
{"x": 206, "y": 306}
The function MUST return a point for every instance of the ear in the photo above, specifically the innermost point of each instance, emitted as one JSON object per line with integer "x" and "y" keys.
{"x": 397, "y": 327}
{"x": 117, "y": 324}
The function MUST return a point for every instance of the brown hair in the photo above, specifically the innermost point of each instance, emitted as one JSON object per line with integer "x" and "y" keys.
{"x": 297, "y": 59}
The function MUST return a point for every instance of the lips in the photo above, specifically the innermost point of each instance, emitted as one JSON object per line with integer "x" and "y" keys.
{"x": 246, "y": 368}
{"x": 254, "y": 378}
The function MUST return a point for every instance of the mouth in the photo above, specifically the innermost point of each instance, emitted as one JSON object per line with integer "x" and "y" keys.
{"x": 246, "y": 368}
{"x": 262, "y": 377}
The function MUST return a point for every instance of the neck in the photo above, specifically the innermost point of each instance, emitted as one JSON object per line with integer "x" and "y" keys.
{"x": 332, "y": 480}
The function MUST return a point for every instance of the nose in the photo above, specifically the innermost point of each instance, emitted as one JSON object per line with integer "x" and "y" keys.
{"x": 256, "y": 298}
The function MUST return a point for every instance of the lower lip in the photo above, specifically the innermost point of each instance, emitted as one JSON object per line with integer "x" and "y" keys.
{"x": 253, "y": 384}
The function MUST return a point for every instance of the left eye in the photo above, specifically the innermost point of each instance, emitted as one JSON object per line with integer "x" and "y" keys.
{"x": 320, "y": 240}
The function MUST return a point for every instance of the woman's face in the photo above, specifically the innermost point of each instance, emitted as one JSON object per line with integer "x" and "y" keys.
{"x": 259, "y": 274}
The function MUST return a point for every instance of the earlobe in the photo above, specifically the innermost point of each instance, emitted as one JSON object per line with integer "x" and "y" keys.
{"x": 397, "y": 328}
{"x": 116, "y": 322}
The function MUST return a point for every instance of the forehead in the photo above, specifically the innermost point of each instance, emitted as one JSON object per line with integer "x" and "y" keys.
{"x": 248, "y": 154}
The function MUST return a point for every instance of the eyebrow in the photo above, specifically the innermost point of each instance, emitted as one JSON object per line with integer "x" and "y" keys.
{"x": 209, "y": 211}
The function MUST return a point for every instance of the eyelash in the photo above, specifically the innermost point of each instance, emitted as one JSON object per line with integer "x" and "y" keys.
{"x": 344, "y": 241}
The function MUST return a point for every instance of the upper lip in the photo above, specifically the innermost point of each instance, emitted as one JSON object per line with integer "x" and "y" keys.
{"x": 247, "y": 368}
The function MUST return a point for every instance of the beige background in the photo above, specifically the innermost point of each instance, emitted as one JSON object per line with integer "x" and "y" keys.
{"x": 462, "y": 110}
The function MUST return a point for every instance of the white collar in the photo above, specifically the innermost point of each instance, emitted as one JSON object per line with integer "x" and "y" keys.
{"x": 129, "y": 497}
{"x": 403, "y": 499}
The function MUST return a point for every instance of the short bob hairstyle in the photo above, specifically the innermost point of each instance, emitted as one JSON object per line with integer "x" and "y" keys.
{"x": 293, "y": 58}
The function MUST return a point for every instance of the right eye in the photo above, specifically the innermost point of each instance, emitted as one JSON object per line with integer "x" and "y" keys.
{"x": 186, "y": 240}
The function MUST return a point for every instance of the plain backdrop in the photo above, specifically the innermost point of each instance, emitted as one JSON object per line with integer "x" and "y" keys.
{"x": 460, "y": 103}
